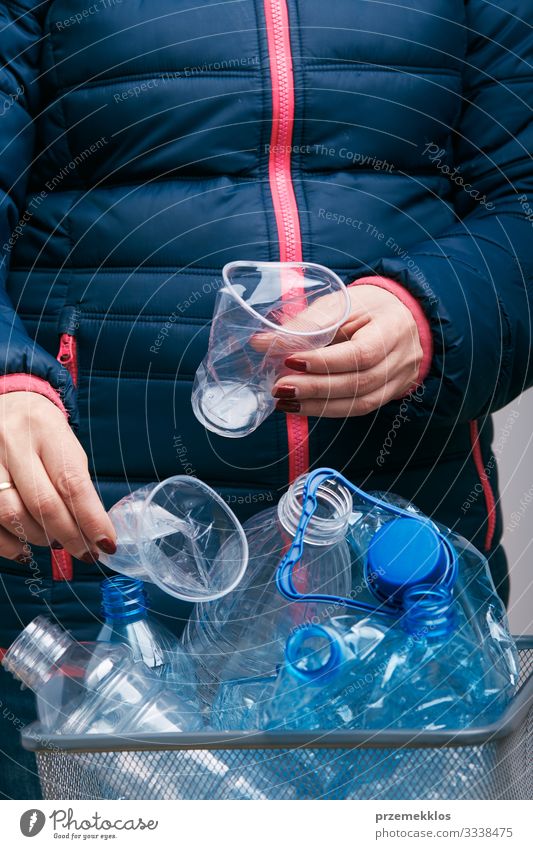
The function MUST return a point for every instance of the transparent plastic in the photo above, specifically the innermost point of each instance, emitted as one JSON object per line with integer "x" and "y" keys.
{"x": 264, "y": 312}
{"x": 180, "y": 535}
{"x": 471, "y": 584}
{"x": 97, "y": 688}
{"x": 423, "y": 614}
{"x": 244, "y": 634}
{"x": 93, "y": 688}
{"x": 395, "y": 547}
{"x": 124, "y": 607}
{"x": 429, "y": 670}
{"x": 240, "y": 702}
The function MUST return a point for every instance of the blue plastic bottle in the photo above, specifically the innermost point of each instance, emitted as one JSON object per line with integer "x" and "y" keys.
{"x": 424, "y": 670}
{"x": 438, "y": 675}
{"x": 322, "y": 684}
{"x": 407, "y": 566}
{"x": 124, "y": 606}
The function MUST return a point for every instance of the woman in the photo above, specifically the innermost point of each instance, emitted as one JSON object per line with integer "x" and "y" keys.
{"x": 145, "y": 145}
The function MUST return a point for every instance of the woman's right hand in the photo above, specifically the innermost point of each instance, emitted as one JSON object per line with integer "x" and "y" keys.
{"x": 52, "y": 501}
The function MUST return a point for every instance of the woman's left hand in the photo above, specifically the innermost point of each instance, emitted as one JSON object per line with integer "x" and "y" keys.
{"x": 374, "y": 358}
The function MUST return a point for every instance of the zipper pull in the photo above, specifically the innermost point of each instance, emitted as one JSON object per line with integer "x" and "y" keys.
{"x": 66, "y": 349}
{"x": 67, "y": 355}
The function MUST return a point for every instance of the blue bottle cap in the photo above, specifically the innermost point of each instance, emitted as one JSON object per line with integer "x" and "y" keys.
{"x": 402, "y": 553}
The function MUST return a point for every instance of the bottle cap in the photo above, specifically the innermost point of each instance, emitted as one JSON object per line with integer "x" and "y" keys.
{"x": 403, "y": 553}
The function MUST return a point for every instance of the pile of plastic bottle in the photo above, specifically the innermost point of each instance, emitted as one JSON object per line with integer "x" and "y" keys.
{"x": 336, "y": 609}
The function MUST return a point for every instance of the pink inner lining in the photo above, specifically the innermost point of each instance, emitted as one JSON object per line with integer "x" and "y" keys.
{"x": 21, "y": 382}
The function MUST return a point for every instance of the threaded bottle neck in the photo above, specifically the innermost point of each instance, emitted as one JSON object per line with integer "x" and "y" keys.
{"x": 35, "y": 654}
{"x": 314, "y": 653}
{"x": 123, "y": 599}
{"x": 330, "y": 520}
{"x": 429, "y": 612}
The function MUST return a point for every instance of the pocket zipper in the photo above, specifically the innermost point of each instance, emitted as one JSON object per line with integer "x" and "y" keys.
{"x": 62, "y": 568}
{"x": 68, "y": 355}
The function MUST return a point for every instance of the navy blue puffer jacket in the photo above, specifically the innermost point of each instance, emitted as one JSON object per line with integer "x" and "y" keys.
{"x": 146, "y": 144}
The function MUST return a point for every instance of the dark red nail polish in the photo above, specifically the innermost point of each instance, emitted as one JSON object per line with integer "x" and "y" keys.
{"x": 295, "y": 364}
{"x": 285, "y": 392}
{"x": 106, "y": 545}
{"x": 288, "y": 406}
{"x": 56, "y": 545}
{"x": 89, "y": 557}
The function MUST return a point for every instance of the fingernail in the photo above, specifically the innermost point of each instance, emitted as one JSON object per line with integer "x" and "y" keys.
{"x": 106, "y": 545}
{"x": 296, "y": 364}
{"x": 89, "y": 557}
{"x": 284, "y": 392}
{"x": 56, "y": 545}
{"x": 288, "y": 406}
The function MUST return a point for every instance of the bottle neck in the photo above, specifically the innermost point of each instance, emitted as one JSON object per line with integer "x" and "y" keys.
{"x": 330, "y": 520}
{"x": 124, "y": 600}
{"x": 314, "y": 654}
{"x": 34, "y": 656}
{"x": 429, "y": 612}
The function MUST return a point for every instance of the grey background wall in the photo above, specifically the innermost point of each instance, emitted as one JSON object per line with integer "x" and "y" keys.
{"x": 513, "y": 446}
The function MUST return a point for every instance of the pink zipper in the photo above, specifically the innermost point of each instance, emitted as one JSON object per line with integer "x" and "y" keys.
{"x": 490, "y": 501}
{"x": 68, "y": 355}
{"x": 62, "y": 569}
{"x": 281, "y": 187}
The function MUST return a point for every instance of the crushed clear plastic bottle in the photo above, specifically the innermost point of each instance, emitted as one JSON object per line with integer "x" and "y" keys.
{"x": 428, "y": 670}
{"x": 243, "y": 634}
{"x": 97, "y": 688}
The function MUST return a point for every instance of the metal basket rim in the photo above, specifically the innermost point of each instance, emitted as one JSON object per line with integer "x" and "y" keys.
{"x": 33, "y": 740}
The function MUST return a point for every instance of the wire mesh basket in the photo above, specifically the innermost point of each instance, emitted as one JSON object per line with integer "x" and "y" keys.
{"x": 491, "y": 762}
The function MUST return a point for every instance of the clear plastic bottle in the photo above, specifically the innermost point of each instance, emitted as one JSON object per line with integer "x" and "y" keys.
{"x": 243, "y": 634}
{"x": 124, "y": 606}
{"x": 97, "y": 688}
{"x": 85, "y": 688}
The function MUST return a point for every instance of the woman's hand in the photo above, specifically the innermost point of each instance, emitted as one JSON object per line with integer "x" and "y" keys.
{"x": 374, "y": 358}
{"x": 52, "y": 501}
